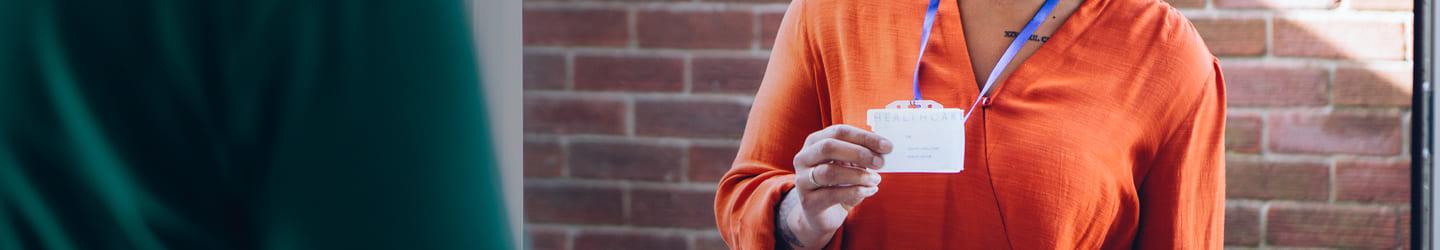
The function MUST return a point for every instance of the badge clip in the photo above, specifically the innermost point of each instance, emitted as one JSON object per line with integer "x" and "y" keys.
{"x": 915, "y": 104}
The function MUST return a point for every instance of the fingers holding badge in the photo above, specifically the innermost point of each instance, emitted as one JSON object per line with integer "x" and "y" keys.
{"x": 837, "y": 166}
{"x": 826, "y": 138}
{"x": 835, "y": 170}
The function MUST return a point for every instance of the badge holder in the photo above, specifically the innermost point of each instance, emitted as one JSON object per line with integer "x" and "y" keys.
{"x": 927, "y": 137}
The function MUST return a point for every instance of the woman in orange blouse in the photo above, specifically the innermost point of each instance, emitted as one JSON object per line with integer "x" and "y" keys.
{"x": 1105, "y": 132}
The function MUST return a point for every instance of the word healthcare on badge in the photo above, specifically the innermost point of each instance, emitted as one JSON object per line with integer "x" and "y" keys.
{"x": 928, "y": 137}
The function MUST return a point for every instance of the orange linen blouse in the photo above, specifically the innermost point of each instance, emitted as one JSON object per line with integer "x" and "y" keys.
{"x": 1109, "y": 136}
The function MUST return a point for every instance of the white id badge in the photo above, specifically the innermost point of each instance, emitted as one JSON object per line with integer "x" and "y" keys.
{"x": 927, "y": 137}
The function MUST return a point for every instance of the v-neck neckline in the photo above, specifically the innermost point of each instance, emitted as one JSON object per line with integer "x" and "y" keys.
{"x": 1062, "y": 40}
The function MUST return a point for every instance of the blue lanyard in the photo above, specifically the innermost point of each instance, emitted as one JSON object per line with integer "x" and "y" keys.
{"x": 1005, "y": 59}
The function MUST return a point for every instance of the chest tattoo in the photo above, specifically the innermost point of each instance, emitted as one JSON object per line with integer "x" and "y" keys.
{"x": 1033, "y": 38}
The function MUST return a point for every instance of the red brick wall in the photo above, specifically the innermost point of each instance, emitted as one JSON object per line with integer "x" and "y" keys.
{"x": 633, "y": 110}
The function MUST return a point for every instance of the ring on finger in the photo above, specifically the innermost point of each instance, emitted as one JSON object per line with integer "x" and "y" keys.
{"x": 812, "y": 178}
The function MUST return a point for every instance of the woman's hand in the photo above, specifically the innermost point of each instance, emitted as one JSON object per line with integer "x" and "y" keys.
{"x": 835, "y": 171}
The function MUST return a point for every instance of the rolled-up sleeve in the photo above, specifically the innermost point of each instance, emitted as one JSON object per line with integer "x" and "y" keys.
{"x": 787, "y": 108}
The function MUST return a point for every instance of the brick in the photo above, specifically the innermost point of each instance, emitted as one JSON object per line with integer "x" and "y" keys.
{"x": 1186, "y": 3}
{"x": 544, "y": 71}
{"x": 561, "y": 203}
{"x": 628, "y": 240}
{"x": 1277, "y": 4}
{"x": 622, "y": 73}
{"x": 1368, "y": 181}
{"x": 691, "y": 118}
{"x": 626, "y": 160}
{"x": 547, "y": 239}
{"x": 574, "y": 115}
{"x": 1232, "y": 36}
{"x": 1373, "y": 86}
{"x": 543, "y": 158}
{"x": 672, "y": 208}
{"x": 1243, "y": 133}
{"x": 1404, "y": 227}
{"x": 1340, "y": 38}
{"x": 602, "y": 28}
{"x": 1242, "y": 224}
{"x": 727, "y": 75}
{"x": 710, "y": 243}
{"x": 1383, "y": 5}
{"x": 695, "y": 29}
{"x": 708, "y": 163}
{"x": 1318, "y": 225}
{"x": 1268, "y": 84}
{"x": 629, "y": 2}
{"x": 1339, "y": 132}
{"x": 1410, "y": 42}
{"x": 769, "y": 26}
{"x": 1277, "y": 180}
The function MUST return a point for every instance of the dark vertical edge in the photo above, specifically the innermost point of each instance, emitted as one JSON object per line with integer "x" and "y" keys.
{"x": 1420, "y": 131}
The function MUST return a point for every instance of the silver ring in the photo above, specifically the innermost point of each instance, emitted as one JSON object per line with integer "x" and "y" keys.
{"x": 812, "y": 178}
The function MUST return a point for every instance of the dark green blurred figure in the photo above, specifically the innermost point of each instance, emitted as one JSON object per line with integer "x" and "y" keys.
{"x": 262, "y": 124}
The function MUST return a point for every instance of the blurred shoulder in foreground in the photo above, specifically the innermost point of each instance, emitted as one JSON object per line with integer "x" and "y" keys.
{"x": 244, "y": 125}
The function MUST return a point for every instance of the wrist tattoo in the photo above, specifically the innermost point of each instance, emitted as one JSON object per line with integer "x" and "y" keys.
{"x": 1033, "y": 38}
{"x": 788, "y": 205}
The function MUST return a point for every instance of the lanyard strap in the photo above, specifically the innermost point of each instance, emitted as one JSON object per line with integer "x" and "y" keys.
{"x": 924, "y": 40}
{"x": 1000, "y": 65}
